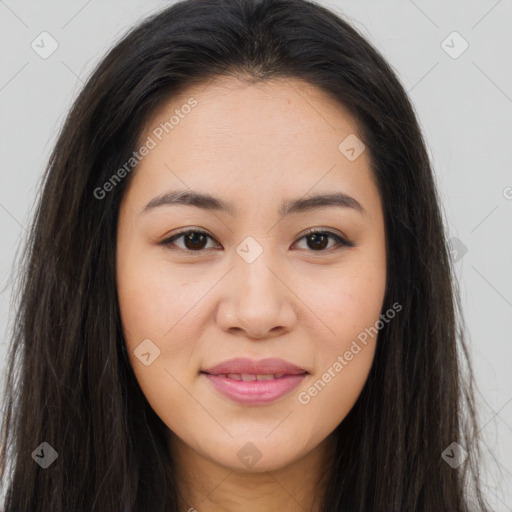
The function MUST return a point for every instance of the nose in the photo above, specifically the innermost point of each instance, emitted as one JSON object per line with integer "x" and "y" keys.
{"x": 258, "y": 303}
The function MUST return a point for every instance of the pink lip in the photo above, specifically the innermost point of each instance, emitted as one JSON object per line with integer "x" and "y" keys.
{"x": 253, "y": 367}
{"x": 255, "y": 392}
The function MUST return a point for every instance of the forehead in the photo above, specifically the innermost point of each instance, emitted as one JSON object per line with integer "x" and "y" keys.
{"x": 228, "y": 105}
{"x": 282, "y": 135}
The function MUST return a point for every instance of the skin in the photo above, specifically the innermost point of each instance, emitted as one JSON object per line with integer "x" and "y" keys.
{"x": 255, "y": 146}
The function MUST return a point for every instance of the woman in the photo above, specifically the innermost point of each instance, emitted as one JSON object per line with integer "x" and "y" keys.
{"x": 187, "y": 336}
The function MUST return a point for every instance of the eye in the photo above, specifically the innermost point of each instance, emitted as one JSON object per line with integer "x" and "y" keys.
{"x": 318, "y": 240}
{"x": 195, "y": 240}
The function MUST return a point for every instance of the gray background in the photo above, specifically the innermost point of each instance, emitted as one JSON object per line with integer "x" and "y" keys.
{"x": 464, "y": 105}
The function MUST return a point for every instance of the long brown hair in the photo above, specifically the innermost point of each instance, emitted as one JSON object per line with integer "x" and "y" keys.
{"x": 70, "y": 383}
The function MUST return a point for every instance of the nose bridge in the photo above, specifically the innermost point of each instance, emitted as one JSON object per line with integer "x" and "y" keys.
{"x": 257, "y": 282}
{"x": 259, "y": 302}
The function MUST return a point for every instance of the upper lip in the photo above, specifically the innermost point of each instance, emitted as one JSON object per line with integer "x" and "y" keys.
{"x": 253, "y": 367}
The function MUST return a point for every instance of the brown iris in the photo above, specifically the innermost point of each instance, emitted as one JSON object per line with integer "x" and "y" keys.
{"x": 315, "y": 236}
{"x": 195, "y": 240}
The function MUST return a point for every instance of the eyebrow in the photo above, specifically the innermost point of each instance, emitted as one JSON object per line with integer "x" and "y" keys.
{"x": 288, "y": 207}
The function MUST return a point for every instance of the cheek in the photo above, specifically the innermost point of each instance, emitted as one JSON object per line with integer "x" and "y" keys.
{"x": 344, "y": 361}
{"x": 329, "y": 395}
{"x": 158, "y": 307}
{"x": 349, "y": 309}
{"x": 345, "y": 303}
{"x": 153, "y": 301}
{"x": 154, "y": 307}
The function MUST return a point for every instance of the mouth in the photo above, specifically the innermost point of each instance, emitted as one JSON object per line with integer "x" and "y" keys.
{"x": 249, "y": 377}
{"x": 254, "y": 382}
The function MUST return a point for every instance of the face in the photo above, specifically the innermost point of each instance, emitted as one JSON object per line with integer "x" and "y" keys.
{"x": 200, "y": 285}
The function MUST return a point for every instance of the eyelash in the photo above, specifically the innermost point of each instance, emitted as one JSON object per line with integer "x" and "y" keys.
{"x": 342, "y": 243}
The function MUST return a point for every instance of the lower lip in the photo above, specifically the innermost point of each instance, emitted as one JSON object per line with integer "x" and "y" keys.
{"x": 256, "y": 391}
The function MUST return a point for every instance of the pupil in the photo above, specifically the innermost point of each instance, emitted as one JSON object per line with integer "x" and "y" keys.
{"x": 315, "y": 235}
{"x": 192, "y": 237}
